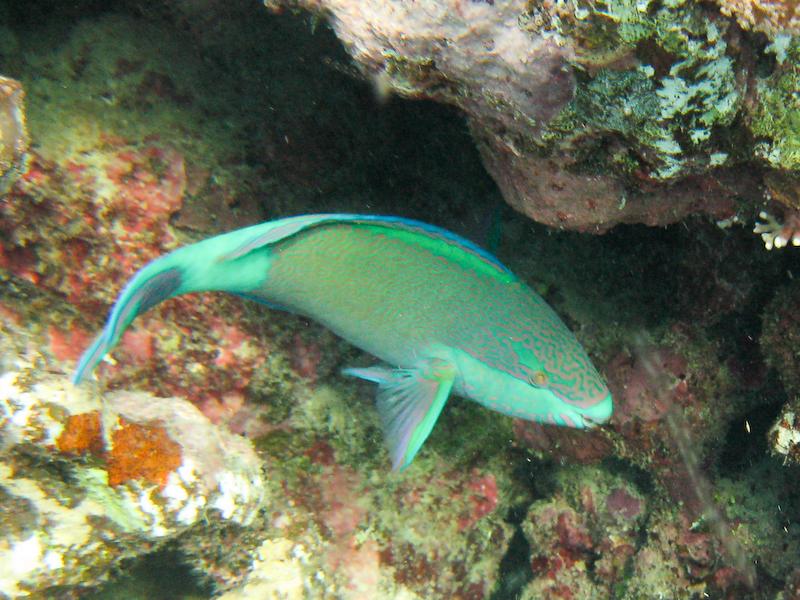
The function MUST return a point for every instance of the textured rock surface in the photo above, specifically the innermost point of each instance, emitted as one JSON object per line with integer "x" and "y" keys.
{"x": 773, "y": 18}
{"x": 592, "y": 114}
{"x": 156, "y": 125}
{"x": 91, "y": 481}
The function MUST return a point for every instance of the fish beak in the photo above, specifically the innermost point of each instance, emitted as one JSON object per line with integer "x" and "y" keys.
{"x": 599, "y": 413}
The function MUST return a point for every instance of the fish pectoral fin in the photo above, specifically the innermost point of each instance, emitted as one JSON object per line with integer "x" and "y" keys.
{"x": 409, "y": 403}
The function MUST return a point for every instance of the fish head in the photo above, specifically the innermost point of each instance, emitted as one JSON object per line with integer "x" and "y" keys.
{"x": 549, "y": 397}
{"x": 547, "y": 387}
{"x": 560, "y": 385}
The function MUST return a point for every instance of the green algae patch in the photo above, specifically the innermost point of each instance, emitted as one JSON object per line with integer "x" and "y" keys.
{"x": 660, "y": 75}
{"x": 775, "y": 119}
{"x": 347, "y": 418}
{"x": 119, "y": 68}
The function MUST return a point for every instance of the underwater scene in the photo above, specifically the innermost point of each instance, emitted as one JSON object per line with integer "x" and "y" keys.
{"x": 386, "y": 299}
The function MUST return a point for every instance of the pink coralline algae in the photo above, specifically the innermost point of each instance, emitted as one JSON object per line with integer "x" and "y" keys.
{"x": 81, "y": 228}
{"x": 583, "y": 538}
{"x": 660, "y": 392}
{"x": 438, "y": 535}
{"x": 188, "y": 348}
{"x": 482, "y": 495}
{"x": 306, "y": 356}
{"x": 550, "y": 192}
{"x": 120, "y": 197}
{"x": 649, "y": 382}
{"x": 622, "y": 503}
{"x": 148, "y": 187}
{"x": 578, "y": 446}
{"x": 598, "y": 535}
{"x": 150, "y": 182}
{"x": 67, "y": 345}
{"x": 671, "y": 401}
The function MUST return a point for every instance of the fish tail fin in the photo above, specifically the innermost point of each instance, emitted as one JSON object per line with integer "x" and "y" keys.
{"x": 232, "y": 262}
{"x": 154, "y": 283}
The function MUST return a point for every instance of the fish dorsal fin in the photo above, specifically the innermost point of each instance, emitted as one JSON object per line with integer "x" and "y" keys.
{"x": 273, "y": 232}
{"x": 277, "y": 231}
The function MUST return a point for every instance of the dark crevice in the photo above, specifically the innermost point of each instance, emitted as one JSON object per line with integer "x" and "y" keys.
{"x": 515, "y": 569}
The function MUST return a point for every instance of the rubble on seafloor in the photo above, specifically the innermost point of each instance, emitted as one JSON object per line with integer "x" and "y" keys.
{"x": 88, "y": 481}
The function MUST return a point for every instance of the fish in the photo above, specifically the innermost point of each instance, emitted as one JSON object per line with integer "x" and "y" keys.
{"x": 443, "y": 315}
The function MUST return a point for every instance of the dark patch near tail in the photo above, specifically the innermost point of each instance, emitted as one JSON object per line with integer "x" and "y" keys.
{"x": 159, "y": 288}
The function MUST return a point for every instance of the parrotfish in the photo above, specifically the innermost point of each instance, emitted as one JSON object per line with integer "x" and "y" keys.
{"x": 447, "y": 316}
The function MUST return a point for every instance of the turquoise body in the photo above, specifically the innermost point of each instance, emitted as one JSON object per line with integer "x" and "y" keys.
{"x": 444, "y": 315}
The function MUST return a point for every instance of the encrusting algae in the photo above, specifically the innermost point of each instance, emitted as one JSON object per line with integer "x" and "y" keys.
{"x": 91, "y": 503}
{"x": 142, "y": 452}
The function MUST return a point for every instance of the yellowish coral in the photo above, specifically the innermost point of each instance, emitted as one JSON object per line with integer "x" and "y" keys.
{"x": 768, "y": 16}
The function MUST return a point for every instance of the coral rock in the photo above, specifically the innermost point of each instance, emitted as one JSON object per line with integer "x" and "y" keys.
{"x": 772, "y": 17}
{"x": 586, "y": 114}
{"x": 104, "y": 483}
{"x": 476, "y": 56}
{"x": 584, "y": 536}
{"x": 667, "y": 415}
{"x": 784, "y": 435}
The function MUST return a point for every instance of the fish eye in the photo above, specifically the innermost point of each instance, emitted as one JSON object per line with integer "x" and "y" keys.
{"x": 538, "y": 378}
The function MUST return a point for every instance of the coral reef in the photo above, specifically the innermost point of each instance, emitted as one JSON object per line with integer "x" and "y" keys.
{"x": 774, "y": 113}
{"x": 97, "y": 480}
{"x": 774, "y": 18}
{"x": 597, "y": 536}
{"x": 157, "y": 124}
{"x": 589, "y": 114}
{"x": 590, "y": 525}
{"x": 670, "y": 399}
{"x": 776, "y": 234}
{"x": 430, "y": 50}
{"x": 378, "y": 538}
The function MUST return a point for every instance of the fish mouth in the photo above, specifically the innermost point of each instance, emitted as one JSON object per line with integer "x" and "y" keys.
{"x": 599, "y": 413}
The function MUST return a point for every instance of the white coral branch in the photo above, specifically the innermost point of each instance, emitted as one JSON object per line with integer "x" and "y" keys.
{"x": 774, "y": 233}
